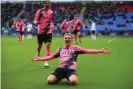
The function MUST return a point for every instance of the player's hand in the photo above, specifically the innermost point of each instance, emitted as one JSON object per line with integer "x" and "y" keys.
{"x": 39, "y": 22}
{"x": 105, "y": 50}
{"x": 54, "y": 27}
{"x": 34, "y": 58}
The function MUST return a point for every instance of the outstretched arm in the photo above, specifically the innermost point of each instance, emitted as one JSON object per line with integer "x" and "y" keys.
{"x": 47, "y": 58}
{"x": 69, "y": 22}
{"x": 53, "y": 26}
{"x": 82, "y": 24}
{"x": 62, "y": 24}
{"x": 92, "y": 51}
{"x": 23, "y": 27}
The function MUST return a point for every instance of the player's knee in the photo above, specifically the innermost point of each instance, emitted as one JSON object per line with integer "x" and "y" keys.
{"x": 73, "y": 82}
{"x": 39, "y": 44}
{"x": 51, "y": 81}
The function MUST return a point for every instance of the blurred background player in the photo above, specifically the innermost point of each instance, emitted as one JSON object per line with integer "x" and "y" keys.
{"x": 20, "y": 29}
{"x": 64, "y": 26}
{"x": 29, "y": 29}
{"x": 43, "y": 18}
{"x": 93, "y": 30}
{"x": 76, "y": 28}
{"x": 68, "y": 57}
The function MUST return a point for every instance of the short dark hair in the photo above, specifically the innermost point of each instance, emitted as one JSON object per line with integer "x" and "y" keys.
{"x": 68, "y": 34}
{"x": 46, "y": 1}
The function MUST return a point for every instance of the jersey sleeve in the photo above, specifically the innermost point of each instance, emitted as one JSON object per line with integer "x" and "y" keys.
{"x": 87, "y": 51}
{"x": 51, "y": 57}
{"x": 82, "y": 24}
{"x": 36, "y": 16}
{"x": 51, "y": 16}
{"x": 62, "y": 24}
{"x": 69, "y": 22}
{"x": 56, "y": 54}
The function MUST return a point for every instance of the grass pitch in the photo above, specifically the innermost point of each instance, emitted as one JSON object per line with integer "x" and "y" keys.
{"x": 99, "y": 71}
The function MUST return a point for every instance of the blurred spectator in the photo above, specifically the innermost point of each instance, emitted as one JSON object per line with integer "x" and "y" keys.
{"x": 9, "y": 11}
{"x": 101, "y": 11}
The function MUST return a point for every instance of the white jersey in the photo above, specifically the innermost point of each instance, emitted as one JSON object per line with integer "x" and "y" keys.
{"x": 93, "y": 26}
{"x": 29, "y": 27}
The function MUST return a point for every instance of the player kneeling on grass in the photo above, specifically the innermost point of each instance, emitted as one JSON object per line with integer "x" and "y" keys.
{"x": 68, "y": 56}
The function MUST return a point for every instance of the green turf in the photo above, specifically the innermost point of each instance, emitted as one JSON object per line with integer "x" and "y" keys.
{"x": 100, "y": 71}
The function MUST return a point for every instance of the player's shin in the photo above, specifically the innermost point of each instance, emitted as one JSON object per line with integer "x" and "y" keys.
{"x": 79, "y": 38}
{"x": 23, "y": 37}
{"x": 47, "y": 53}
{"x": 19, "y": 41}
{"x": 94, "y": 37}
{"x": 20, "y": 38}
{"x": 76, "y": 37}
{"x": 30, "y": 36}
{"x": 39, "y": 49}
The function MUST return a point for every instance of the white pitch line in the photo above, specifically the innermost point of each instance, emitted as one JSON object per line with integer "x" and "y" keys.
{"x": 111, "y": 40}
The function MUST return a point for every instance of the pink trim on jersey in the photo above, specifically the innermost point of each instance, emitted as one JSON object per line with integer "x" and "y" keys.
{"x": 44, "y": 20}
{"x": 76, "y": 25}
{"x": 19, "y": 25}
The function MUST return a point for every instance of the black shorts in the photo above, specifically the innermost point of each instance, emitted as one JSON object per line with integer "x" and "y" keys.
{"x": 44, "y": 38}
{"x": 61, "y": 73}
{"x": 93, "y": 32}
{"x": 75, "y": 32}
{"x": 21, "y": 33}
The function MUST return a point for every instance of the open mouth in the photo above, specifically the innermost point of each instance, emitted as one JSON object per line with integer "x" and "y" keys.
{"x": 66, "y": 41}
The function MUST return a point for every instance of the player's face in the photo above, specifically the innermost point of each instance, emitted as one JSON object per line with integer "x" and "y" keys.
{"x": 75, "y": 17}
{"x": 19, "y": 20}
{"x": 64, "y": 20}
{"x": 67, "y": 40}
{"x": 47, "y": 4}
